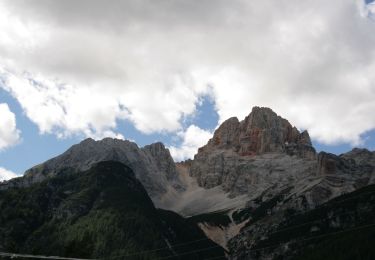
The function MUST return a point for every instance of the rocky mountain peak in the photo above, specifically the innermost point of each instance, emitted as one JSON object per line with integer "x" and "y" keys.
{"x": 263, "y": 118}
{"x": 162, "y": 158}
{"x": 360, "y": 156}
{"x": 152, "y": 164}
{"x": 226, "y": 136}
{"x": 262, "y": 131}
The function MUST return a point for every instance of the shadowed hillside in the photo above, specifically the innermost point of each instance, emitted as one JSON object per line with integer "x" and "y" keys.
{"x": 103, "y": 212}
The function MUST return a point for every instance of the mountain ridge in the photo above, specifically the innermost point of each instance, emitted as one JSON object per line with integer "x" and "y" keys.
{"x": 101, "y": 212}
{"x": 249, "y": 174}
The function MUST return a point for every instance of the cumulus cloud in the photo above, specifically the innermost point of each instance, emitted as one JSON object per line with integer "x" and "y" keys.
{"x": 62, "y": 109}
{"x": 9, "y": 134}
{"x": 193, "y": 138}
{"x": 91, "y": 63}
{"x": 6, "y": 174}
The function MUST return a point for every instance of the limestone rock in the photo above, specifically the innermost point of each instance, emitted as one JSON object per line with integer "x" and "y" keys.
{"x": 226, "y": 136}
{"x": 162, "y": 158}
{"x": 242, "y": 154}
{"x": 152, "y": 165}
{"x": 361, "y": 156}
{"x": 262, "y": 131}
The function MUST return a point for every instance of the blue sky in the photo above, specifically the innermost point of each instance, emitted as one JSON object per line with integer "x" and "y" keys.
{"x": 171, "y": 72}
{"x": 34, "y": 148}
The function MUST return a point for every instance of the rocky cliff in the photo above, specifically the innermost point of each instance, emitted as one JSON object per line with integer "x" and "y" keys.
{"x": 242, "y": 185}
{"x": 276, "y": 170}
{"x": 254, "y": 154}
{"x": 265, "y": 153}
{"x": 152, "y": 165}
{"x": 262, "y": 131}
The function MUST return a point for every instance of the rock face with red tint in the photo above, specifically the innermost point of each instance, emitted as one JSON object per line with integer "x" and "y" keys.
{"x": 262, "y": 131}
{"x": 243, "y": 154}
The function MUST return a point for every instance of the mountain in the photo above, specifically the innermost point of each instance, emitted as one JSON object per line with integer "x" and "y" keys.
{"x": 264, "y": 154}
{"x": 274, "y": 168}
{"x": 152, "y": 164}
{"x": 342, "y": 228}
{"x": 262, "y": 131}
{"x": 254, "y": 179}
{"x": 102, "y": 212}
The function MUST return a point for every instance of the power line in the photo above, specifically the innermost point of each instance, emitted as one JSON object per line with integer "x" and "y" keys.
{"x": 290, "y": 228}
{"x": 318, "y": 236}
{"x": 330, "y": 202}
{"x": 275, "y": 245}
{"x": 159, "y": 249}
{"x": 189, "y": 242}
{"x": 13, "y": 255}
{"x": 189, "y": 252}
{"x": 293, "y": 215}
{"x": 305, "y": 239}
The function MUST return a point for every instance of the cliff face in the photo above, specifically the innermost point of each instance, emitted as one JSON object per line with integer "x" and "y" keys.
{"x": 265, "y": 151}
{"x": 274, "y": 166}
{"x": 240, "y": 187}
{"x": 262, "y": 131}
{"x": 152, "y": 165}
{"x": 251, "y": 155}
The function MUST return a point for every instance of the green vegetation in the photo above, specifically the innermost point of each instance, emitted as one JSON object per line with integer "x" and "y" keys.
{"x": 353, "y": 245}
{"x": 101, "y": 213}
{"x": 184, "y": 232}
{"x": 242, "y": 214}
{"x": 259, "y": 212}
{"x": 331, "y": 231}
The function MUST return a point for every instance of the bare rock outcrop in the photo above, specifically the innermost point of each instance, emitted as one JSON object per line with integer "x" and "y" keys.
{"x": 242, "y": 156}
{"x": 152, "y": 165}
{"x": 262, "y": 131}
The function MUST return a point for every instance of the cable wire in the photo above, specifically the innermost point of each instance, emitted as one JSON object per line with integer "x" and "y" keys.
{"x": 13, "y": 255}
{"x": 305, "y": 239}
{"x": 193, "y": 241}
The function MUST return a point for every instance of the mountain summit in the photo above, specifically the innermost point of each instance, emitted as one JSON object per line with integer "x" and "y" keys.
{"x": 247, "y": 183}
{"x": 262, "y": 131}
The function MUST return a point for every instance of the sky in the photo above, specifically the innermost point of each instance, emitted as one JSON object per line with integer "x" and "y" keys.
{"x": 172, "y": 71}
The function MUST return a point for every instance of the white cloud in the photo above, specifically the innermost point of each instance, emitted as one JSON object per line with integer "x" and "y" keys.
{"x": 64, "y": 109}
{"x": 193, "y": 138}
{"x": 149, "y": 62}
{"x": 368, "y": 10}
{"x": 9, "y": 134}
{"x": 6, "y": 174}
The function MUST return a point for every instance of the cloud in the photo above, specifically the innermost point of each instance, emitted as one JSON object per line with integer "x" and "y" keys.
{"x": 193, "y": 138}
{"x": 9, "y": 134}
{"x": 62, "y": 109}
{"x": 150, "y": 62}
{"x": 368, "y": 10}
{"x": 6, "y": 174}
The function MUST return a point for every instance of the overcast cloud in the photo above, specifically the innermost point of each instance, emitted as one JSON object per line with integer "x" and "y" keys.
{"x": 79, "y": 66}
{"x": 9, "y": 134}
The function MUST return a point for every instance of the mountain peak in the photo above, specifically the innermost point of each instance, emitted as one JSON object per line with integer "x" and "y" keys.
{"x": 152, "y": 164}
{"x": 262, "y": 131}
